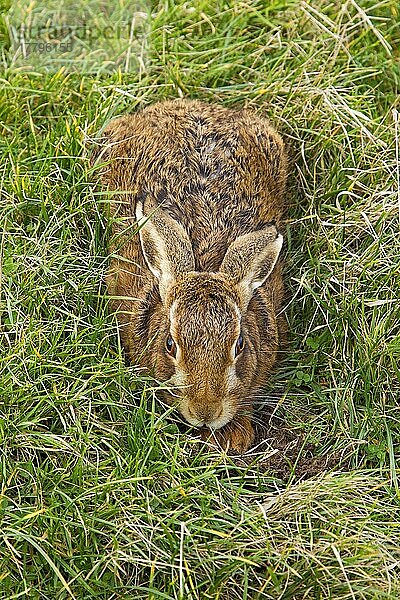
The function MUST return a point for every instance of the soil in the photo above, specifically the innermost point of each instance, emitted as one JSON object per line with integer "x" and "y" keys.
{"x": 281, "y": 452}
{"x": 286, "y": 454}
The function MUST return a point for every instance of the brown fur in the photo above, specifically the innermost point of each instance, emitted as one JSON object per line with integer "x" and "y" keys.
{"x": 204, "y": 176}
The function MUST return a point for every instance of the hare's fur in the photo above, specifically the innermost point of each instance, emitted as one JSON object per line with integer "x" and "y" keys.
{"x": 207, "y": 186}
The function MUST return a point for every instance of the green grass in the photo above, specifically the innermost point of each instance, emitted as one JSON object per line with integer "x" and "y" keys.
{"x": 103, "y": 495}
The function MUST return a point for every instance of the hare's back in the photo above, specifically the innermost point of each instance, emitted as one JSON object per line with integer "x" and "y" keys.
{"x": 219, "y": 172}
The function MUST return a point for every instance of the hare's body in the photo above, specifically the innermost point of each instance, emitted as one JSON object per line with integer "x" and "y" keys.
{"x": 207, "y": 179}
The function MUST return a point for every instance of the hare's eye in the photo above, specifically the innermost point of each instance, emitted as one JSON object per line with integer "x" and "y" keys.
{"x": 170, "y": 345}
{"x": 239, "y": 345}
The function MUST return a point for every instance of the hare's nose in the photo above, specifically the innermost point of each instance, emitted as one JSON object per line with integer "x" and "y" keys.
{"x": 205, "y": 414}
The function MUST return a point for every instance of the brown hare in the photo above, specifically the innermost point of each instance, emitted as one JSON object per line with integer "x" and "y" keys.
{"x": 198, "y": 194}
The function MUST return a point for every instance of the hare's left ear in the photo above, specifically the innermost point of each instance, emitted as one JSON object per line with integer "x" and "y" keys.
{"x": 165, "y": 244}
{"x": 250, "y": 259}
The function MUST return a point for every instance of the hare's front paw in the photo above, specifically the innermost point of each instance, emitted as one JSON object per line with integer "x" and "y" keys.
{"x": 238, "y": 435}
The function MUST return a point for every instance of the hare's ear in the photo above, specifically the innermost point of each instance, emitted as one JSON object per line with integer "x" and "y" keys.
{"x": 165, "y": 244}
{"x": 250, "y": 259}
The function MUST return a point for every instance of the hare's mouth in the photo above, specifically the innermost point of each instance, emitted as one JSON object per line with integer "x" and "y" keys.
{"x": 212, "y": 424}
{"x": 219, "y": 423}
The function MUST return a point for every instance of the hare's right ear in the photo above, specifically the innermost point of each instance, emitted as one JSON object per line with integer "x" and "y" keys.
{"x": 165, "y": 244}
{"x": 250, "y": 259}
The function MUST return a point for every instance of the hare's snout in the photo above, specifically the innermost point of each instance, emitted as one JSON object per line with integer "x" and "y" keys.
{"x": 213, "y": 417}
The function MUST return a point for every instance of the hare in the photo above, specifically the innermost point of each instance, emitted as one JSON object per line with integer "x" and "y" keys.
{"x": 195, "y": 280}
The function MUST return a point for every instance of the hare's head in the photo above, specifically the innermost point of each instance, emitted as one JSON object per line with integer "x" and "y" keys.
{"x": 211, "y": 340}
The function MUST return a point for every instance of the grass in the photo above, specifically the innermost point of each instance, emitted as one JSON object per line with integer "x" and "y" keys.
{"x": 102, "y": 494}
